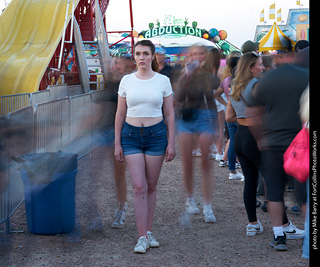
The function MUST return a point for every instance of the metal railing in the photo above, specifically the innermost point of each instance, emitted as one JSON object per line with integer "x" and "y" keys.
{"x": 69, "y": 124}
{"x": 17, "y": 139}
{"x": 11, "y": 103}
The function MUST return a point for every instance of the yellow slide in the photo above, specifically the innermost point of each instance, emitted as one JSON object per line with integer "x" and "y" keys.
{"x": 30, "y": 31}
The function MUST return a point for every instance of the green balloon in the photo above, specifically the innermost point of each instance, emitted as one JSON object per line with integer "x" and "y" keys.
{"x": 225, "y": 47}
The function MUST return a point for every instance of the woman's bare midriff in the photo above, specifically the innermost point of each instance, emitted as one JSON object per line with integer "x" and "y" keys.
{"x": 143, "y": 121}
{"x": 243, "y": 122}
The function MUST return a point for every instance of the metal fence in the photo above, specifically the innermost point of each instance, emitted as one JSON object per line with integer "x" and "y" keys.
{"x": 17, "y": 139}
{"x": 68, "y": 124}
{"x": 10, "y": 103}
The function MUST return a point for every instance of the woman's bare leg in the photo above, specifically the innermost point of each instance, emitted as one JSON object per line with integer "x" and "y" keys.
{"x": 207, "y": 175}
{"x": 120, "y": 182}
{"x": 136, "y": 167}
{"x": 186, "y": 147}
{"x": 153, "y": 168}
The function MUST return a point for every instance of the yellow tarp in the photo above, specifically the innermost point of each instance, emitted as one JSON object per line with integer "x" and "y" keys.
{"x": 30, "y": 31}
{"x": 275, "y": 39}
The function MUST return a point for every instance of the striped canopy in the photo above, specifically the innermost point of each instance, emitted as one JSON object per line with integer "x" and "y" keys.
{"x": 275, "y": 39}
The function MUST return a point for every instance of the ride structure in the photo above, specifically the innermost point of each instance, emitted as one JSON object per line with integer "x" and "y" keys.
{"x": 177, "y": 28}
{"x": 42, "y": 41}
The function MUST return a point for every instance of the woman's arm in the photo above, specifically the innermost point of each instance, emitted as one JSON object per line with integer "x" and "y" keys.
{"x": 217, "y": 95}
{"x": 231, "y": 115}
{"x": 119, "y": 121}
{"x": 170, "y": 120}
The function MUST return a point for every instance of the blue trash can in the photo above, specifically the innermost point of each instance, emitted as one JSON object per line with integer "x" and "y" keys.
{"x": 49, "y": 190}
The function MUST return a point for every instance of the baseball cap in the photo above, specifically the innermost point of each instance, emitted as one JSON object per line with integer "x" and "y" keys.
{"x": 249, "y": 46}
{"x": 160, "y": 50}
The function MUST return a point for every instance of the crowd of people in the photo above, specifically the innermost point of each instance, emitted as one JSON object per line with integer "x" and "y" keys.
{"x": 253, "y": 101}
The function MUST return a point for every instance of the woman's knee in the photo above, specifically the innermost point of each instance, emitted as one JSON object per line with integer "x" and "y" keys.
{"x": 140, "y": 188}
{"x": 152, "y": 187}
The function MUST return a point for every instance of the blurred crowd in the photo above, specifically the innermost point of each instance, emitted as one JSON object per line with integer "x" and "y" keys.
{"x": 243, "y": 111}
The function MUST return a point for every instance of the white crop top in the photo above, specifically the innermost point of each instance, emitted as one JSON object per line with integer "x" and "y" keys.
{"x": 144, "y": 97}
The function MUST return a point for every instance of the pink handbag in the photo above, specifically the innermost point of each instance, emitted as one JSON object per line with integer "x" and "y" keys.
{"x": 296, "y": 157}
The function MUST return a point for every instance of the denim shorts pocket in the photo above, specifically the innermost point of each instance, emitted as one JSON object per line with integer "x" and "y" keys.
{"x": 126, "y": 132}
{"x": 159, "y": 133}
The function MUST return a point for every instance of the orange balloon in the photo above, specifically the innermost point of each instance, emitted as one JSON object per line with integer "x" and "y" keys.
{"x": 223, "y": 34}
{"x": 135, "y": 34}
{"x": 205, "y": 36}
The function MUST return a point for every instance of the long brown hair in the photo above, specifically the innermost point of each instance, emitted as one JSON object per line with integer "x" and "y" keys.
{"x": 214, "y": 61}
{"x": 243, "y": 74}
{"x": 227, "y": 70}
{"x": 154, "y": 65}
{"x": 205, "y": 66}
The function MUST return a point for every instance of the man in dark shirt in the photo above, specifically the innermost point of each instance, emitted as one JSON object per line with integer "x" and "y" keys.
{"x": 164, "y": 68}
{"x": 279, "y": 93}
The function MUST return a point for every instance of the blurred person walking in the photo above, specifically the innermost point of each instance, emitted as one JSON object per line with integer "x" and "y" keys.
{"x": 225, "y": 85}
{"x": 304, "y": 116}
{"x": 120, "y": 66}
{"x": 279, "y": 88}
{"x": 268, "y": 63}
{"x": 195, "y": 93}
{"x": 301, "y": 58}
{"x": 142, "y": 139}
{"x": 219, "y": 133}
{"x": 249, "y": 68}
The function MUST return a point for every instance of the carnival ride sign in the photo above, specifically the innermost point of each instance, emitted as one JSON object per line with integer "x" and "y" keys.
{"x": 176, "y": 30}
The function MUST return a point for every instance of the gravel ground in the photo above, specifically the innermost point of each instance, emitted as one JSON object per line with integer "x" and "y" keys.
{"x": 183, "y": 243}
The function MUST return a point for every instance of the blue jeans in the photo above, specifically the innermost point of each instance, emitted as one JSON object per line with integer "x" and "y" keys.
{"x": 202, "y": 123}
{"x": 232, "y": 128}
{"x": 150, "y": 140}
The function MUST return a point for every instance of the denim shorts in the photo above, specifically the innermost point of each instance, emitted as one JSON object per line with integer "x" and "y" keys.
{"x": 203, "y": 122}
{"x": 150, "y": 140}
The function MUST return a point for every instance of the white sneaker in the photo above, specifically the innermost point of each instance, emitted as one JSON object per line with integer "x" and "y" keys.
{"x": 142, "y": 245}
{"x": 292, "y": 232}
{"x": 219, "y": 157}
{"x": 153, "y": 243}
{"x": 196, "y": 152}
{"x": 208, "y": 214}
{"x": 120, "y": 219}
{"x": 234, "y": 176}
{"x": 223, "y": 163}
{"x": 253, "y": 229}
{"x": 191, "y": 206}
{"x": 238, "y": 165}
{"x": 211, "y": 155}
{"x": 213, "y": 148}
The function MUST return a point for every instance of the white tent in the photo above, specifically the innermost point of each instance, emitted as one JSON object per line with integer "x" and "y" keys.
{"x": 275, "y": 39}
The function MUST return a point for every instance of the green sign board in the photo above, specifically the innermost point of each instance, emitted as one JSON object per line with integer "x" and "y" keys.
{"x": 174, "y": 30}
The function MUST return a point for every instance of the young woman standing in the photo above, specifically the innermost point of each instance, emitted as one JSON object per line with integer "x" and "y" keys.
{"x": 142, "y": 138}
{"x": 249, "y": 68}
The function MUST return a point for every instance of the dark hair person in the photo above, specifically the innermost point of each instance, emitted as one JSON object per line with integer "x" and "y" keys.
{"x": 142, "y": 138}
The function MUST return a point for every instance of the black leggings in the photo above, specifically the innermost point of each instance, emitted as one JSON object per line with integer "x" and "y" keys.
{"x": 249, "y": 156}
